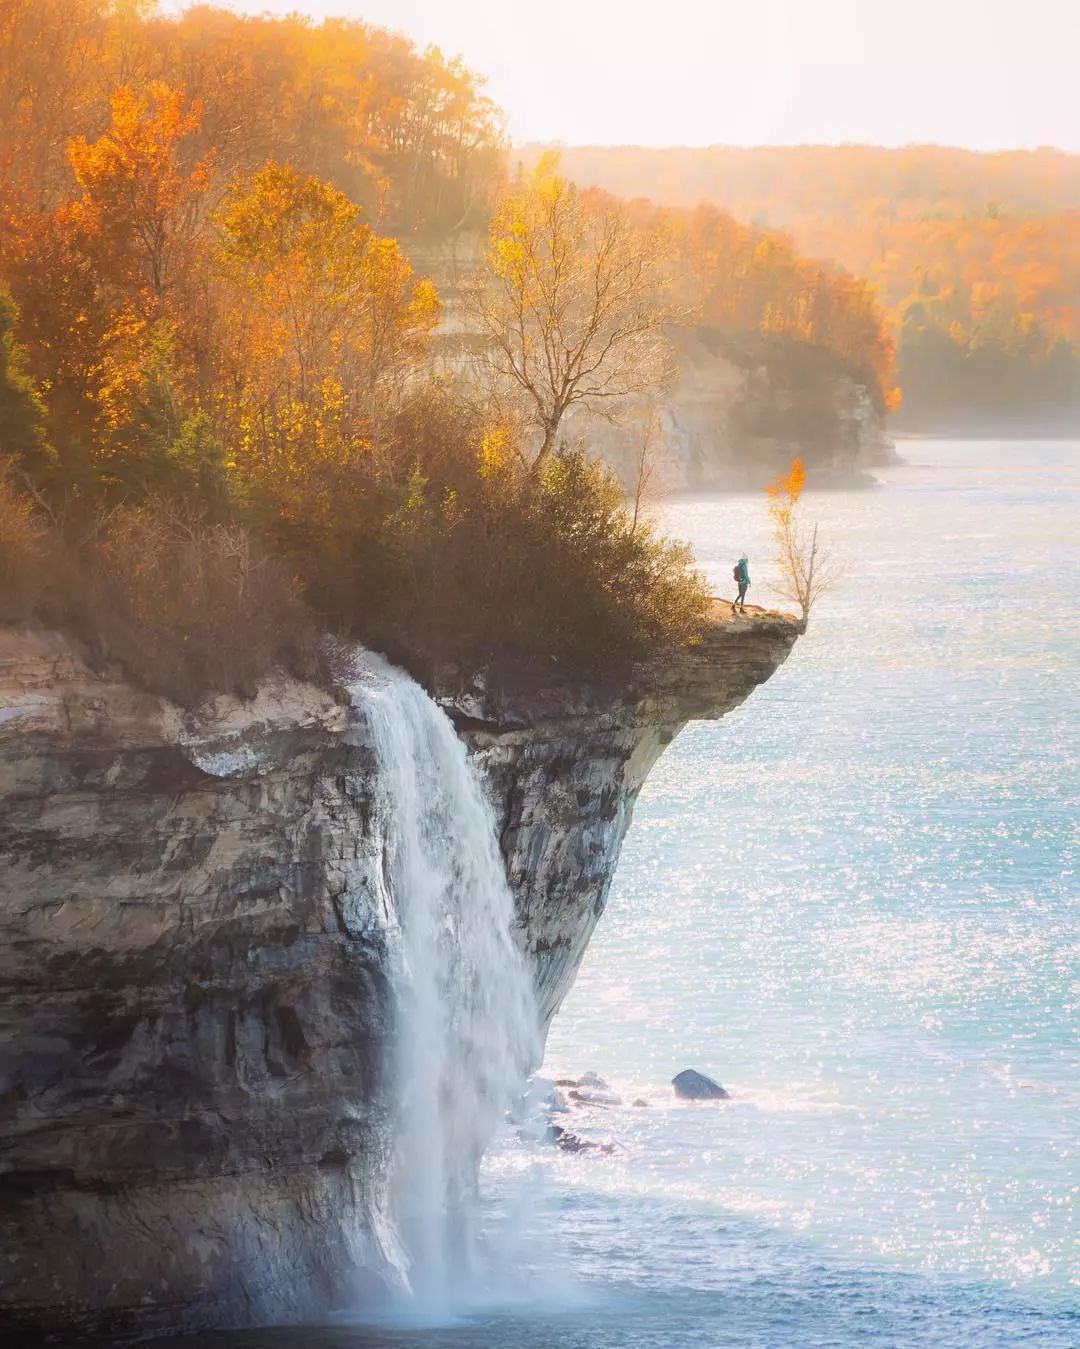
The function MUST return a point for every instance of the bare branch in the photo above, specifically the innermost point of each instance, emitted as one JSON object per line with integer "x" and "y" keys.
{"x": 572, "y": 304}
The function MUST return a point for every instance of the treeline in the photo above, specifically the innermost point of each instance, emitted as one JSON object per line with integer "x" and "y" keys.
{"x": 744, "y": 279}
{"x": 781, "y": 185}
{"x": 986, "y": 308}
{"x": 220, "y": 429}
{"x": 409, "y": 136}
{"x": 741, "y": 277}
{"x": 976, "y": 257}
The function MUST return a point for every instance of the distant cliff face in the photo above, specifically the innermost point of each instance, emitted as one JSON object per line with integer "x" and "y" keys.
{"x": 196, "y": 998}
{"x": 744, "y": 404}
{"x": 742, "y": 408}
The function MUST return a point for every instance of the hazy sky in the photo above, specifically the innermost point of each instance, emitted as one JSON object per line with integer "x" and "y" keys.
{"x": 980, "y": 73}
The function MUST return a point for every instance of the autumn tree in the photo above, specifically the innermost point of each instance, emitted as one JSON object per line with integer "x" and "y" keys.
{"x": 104, "y": 283}
{"x": 51, "y": 55}
{"x": 140, "y": 206}
{"x": 321, "y": 322}
{"x": 806, "y": 568}
{"x": 644, "y": 479}
{"x": 571, "y": 304}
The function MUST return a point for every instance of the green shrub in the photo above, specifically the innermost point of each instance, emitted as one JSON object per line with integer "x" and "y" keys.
{"x": 22, "y": 412}
{"x": 445, "y": 547}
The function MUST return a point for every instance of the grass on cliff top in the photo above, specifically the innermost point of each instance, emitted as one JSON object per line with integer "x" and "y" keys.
{"x": 186, "y": 607}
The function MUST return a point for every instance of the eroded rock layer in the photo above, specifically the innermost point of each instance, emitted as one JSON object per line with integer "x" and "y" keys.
{"x": 196, "y": 998}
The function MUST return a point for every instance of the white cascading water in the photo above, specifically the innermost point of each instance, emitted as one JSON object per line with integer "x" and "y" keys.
{"x": 468, "y": 1032}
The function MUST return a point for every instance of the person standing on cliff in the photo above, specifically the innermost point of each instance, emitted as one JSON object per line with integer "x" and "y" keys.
{"x": 742, "y": 577}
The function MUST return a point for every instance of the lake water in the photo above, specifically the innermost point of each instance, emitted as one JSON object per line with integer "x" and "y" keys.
{"x": 854, "y": 902}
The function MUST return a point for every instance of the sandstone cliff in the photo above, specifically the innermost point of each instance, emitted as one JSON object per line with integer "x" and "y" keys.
{"x": 743, "y": 404}
{"x": 195, "y": 1005}
{"x": 742, "y": 407}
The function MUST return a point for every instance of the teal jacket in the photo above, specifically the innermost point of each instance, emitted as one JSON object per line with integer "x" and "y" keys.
{"x": 744, "y": 568}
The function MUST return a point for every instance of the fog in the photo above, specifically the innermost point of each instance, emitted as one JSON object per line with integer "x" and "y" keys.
{"x": 985, "y": 74}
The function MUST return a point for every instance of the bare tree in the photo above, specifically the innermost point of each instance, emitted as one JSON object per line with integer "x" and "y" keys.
{"x": 649, "y": 459}
{"x": 571, "y": 303}
{"x": 807, "y": 569}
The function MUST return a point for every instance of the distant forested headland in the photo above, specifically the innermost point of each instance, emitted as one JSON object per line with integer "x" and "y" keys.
{"x": 976, "y": 257}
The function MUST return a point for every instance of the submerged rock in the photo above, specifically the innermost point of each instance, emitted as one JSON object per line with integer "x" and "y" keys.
{"x": 540, "y": 1099}
{"x": 588, "y": 1089}
{"x": 571, "y": 1142}
{"x": 691, "y": 1085}
{"x": 594, "y": 1098}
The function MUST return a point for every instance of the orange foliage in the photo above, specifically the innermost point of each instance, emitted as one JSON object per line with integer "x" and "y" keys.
{"x": 975, "y": 257}
{"x": 738, "y": 276}
{"x": 319, "y": 316}
{"x": 140, "y": 202}
{"x": 409, "y": 135}
{"x": 785, "y": 492}
{"x": 174, "y": 296}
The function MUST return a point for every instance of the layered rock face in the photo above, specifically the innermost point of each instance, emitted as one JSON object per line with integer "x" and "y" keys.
{"x": 196, "y": 970}
{"x": 742, "y": 406}
{"x": 564, "y": 763}
{"x": 193, "y": 964}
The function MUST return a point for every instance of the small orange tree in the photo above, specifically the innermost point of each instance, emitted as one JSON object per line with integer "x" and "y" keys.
{"x": 806, "y": 568}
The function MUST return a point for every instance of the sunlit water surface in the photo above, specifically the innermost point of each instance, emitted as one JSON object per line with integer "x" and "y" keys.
{"x": 853, "y": 901}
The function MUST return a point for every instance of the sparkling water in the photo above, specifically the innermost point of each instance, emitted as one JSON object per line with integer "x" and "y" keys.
{"x": 853, "y": 901}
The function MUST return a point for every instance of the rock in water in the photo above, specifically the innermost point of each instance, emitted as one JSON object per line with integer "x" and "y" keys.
{"x": 594, "y": 1098}
{"x": 570, "y": 1142}
{"x": 694, "y": 1086}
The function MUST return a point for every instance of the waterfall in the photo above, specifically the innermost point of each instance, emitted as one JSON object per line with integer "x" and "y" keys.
{"x": 468, "y": 1029}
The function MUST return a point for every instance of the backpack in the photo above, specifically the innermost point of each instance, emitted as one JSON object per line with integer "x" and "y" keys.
{"x": 737, "y": 573}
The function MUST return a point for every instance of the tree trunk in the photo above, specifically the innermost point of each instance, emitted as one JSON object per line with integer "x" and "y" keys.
{"x": 546, "y": 446}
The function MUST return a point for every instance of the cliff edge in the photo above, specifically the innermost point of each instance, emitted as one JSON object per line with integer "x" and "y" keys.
{"x": 195, "y": 994}
{"x": 565, "y": 762}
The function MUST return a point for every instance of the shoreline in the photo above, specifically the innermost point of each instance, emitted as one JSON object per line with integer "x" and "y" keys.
{"x": 996, "y": 437}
